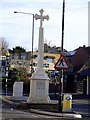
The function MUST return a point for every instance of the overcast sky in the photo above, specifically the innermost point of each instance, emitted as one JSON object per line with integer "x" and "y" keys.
{"x": 17, "y": 28}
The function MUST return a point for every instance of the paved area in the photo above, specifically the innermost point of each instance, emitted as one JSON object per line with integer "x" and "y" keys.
{"x": 9, "y": 100}
{"x": 13, "y": 113}
{"x": 83, "y": 109}
{"x": 10, "y": 111}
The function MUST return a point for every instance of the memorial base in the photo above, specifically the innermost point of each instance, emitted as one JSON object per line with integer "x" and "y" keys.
{"x": 39, "y": 88}
{"x": 18, "y": 89}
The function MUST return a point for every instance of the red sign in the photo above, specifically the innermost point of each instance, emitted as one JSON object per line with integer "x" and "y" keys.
{"x": 61, "y": 63}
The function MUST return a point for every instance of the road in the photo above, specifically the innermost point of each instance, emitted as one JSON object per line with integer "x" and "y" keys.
{"x": 9, "y": 111}
{"x": 13, "y": 113}
{"x": 80, "y": 105}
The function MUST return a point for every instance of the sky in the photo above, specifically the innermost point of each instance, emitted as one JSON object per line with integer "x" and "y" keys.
{"x": 17, "y": 28}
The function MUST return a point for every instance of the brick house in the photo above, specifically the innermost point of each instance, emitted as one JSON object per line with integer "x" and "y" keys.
{"x": 79, "y": 60}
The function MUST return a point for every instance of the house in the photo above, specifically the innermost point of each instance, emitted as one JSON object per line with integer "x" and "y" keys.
{"x": 4, "y": 65}
{"x": 49, "y": 60}
{"x": 79, "y": 60}
{"x": 85, "y": 71}
{"x": 80, "y": 57}
{"x": 76, "y": 79}
{"x": 25, "y": 60}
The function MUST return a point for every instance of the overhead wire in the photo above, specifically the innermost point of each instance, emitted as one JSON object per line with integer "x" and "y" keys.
{"x": 54, "y": 11}
{"x": 13, "y": 17}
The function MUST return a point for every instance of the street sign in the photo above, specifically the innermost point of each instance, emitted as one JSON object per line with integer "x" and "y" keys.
{"x": 61, "y": 64}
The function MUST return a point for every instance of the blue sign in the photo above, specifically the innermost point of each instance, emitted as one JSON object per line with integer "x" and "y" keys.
{"x": 68, "y": 98}
{"x": 53, "y": 74}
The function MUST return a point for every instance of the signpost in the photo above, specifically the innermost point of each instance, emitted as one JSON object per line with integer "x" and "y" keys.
{"x": 61, "y": 65}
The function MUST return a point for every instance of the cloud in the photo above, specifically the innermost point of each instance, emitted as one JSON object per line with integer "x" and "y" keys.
{"x": 44, "y": 1}
{"x": 30, "y": 1}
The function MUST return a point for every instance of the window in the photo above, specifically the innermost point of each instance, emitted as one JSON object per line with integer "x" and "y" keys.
{"x": 23, "y": 57}
{"x": 50, "y": 60}
{"x": 34, "y": 64}
{"x": 3, "y": 58}
{"x": 36, "y": 59}
{"x": 46, "y": 65}
{"x": 3, "y": 63}
{"x": 20, "y": 63}
{"x": 0, "y": 63}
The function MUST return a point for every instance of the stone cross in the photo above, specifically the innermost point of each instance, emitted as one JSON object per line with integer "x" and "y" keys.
{"x": 39, "y": 83}
{"x": 41, "y": 17}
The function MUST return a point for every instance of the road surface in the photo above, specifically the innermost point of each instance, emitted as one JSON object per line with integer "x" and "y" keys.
{"x": 9, "y": 111}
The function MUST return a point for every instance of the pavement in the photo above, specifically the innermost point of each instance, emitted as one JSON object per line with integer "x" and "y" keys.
{"x": 21, "y": 101}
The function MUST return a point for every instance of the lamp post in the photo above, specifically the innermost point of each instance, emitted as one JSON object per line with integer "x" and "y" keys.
{"x": 32, "y": 36}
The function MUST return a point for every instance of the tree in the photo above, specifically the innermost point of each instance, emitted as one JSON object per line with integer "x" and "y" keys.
{"x": 19, "y": 74}
{"x": 17, "y": 49}
{"x": 50, "y": 48}
{"x": 3, "y": 46}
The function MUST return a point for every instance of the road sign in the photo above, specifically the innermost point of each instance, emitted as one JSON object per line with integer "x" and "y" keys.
{"x": 61, "y": 63}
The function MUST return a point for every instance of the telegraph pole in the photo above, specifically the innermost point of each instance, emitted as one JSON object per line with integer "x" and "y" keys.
{"x": 61, "y": 74}
{"x": 63, "y": 25}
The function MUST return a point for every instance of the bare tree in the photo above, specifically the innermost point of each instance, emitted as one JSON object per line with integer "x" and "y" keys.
{"x": 3, "y": 46}
{"x": 49, "y": 43}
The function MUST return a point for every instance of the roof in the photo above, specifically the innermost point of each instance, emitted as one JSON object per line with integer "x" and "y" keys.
{"x": 85, "y": 70}
{"x": 81, "y": 56}
{"x": 87, "y": 50}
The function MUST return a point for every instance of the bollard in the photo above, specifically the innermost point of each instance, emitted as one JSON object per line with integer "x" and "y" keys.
{"x": 67, "y": 103}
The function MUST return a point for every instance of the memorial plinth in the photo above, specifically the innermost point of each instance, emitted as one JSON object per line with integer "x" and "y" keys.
{"x": 18, "y": 89}
{"x": 39, "y": 83}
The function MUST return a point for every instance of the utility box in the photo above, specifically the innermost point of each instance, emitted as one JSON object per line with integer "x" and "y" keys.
{"x": 67, "y": 103}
